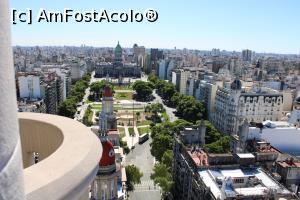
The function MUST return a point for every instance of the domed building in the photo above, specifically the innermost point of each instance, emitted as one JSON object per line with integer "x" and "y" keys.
{"x": 108, "y": 183}
{"x": 105, "y": 185}
{"x": 118, "y": 68}
{"x": 118, "y": 53}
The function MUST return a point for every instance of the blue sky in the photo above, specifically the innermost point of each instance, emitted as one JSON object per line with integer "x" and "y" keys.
{"x": 260, "y": 25}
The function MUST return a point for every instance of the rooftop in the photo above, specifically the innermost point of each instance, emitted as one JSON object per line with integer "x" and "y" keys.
{"x": 289, "y": 163}
{"x": 199, "y": 157}
{"x": 231, "y": 183}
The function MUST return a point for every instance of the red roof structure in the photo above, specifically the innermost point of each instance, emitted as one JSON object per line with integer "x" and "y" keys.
{"x": 108, "y": 155}
{"x": 107, "y": 92}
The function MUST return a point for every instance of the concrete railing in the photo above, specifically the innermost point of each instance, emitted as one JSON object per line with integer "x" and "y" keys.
{"x": 69, "y": 154}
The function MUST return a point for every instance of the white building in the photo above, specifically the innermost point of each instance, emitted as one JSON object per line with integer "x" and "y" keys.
{"x": 241, "y": 184}
{"x": 29, "y": 86}
{"x": 162, "y": 69}
{"x": 78, "y": 69}
{"x": 171, "y": 66}
{"x": 184, "y": 75}
{"x": 234, "y": 104}
{"x": 207, "y": 95}
{"x": 281, "y": 135}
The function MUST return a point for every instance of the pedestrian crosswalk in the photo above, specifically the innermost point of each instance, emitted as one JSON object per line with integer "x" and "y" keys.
{"x": 146, "y": 185}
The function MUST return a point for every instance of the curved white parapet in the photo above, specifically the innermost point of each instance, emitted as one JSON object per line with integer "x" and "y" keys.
{"x": 11, "y": 176}
{"x": 69, "y": 154}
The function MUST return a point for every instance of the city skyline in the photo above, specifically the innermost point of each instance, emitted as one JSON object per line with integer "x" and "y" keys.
{"x": 265, "y": 27}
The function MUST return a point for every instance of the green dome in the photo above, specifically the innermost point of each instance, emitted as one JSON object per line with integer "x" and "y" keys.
{"x": 118, "y": 47}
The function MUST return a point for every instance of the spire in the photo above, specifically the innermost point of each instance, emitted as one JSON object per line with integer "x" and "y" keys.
{"x": 202, "y": 130}
{"x": 107, "y": 79}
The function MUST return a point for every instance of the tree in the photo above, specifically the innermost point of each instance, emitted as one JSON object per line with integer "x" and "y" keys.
{"x": 133, "y": 175}
{"x": 138, "y": 114}
{"x": 168, "y": 91}
{"x": 96, "y": 87}
{"x": 162, "y": 177}
{"x": 160, "y": 144}
{"x": 212, "y": 134}
{"x": 86, "y": 120}
{"x": 153, "y": 79}
{"x": 220, "y": 146}
{"x": 167, "y": 158}
{"x": 143, "y": 90}
{"x": 67, "y": 108}
{"x": 190, "y": 109}
{"x": 175, "y": 99}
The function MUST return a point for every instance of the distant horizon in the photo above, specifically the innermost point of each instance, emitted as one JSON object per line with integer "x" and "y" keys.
{"x": 78, "y": 46}
{"x": 234, "y": 25}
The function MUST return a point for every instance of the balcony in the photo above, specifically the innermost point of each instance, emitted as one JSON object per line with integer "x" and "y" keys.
{"x": 68, "y": 159}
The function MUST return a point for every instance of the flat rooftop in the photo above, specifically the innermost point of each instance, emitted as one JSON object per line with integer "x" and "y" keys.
{"x": 289, "y": 163}
{"x": 240, "y": 182}
{"x": 199, "y": 157}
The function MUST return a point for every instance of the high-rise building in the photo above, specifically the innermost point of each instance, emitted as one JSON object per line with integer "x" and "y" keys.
{"x": 155, "y": 56}
{"x": 247, "y": 55}
{"x": 29, "y": 85}
{"x": 163, "y": 67}
{"x": 138, "y": 53}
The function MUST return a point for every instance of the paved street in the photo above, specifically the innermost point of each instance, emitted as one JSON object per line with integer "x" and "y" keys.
{"x": 170, "y": 111}
{"x": 142, "y": 158}
{"x": 84, "y": 106}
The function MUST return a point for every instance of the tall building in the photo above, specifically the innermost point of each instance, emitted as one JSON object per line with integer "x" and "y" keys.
{"x": 234, "y": 104}
{"x": 155, "y": 56}
{"x": 78, "y": 69}
{"x": 207, "y": 95}
{"x": 29, "y": 85}
{"x": 108, "y": 183}
{"x": 184, "y": 76}
{"x": 107, "y": 117}
{"x": 139, "y": 54}
{"x": 49, "y": 91}
{"x": 247, "y": 55}
{"x": 163, "y": 67}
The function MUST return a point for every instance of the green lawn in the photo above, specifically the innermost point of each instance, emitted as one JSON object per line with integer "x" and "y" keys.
{"x": 143, "y": 130}
{"x": 97, "y": 106}
{"x": 122, "y": 132}
{"x": 123, "y": 95}
{"x": 88, "y": 101}
{"x": 144, "y": 122}
{"x": 131, "y": 131}
{"x": 122, "y": 87}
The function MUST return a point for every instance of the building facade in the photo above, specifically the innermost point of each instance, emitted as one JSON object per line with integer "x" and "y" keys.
{"x": 233, "y": 105}
{"x": 118, "y": 68}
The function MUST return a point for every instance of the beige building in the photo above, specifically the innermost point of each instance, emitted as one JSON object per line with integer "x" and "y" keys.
{"x": 234, "y": 103}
